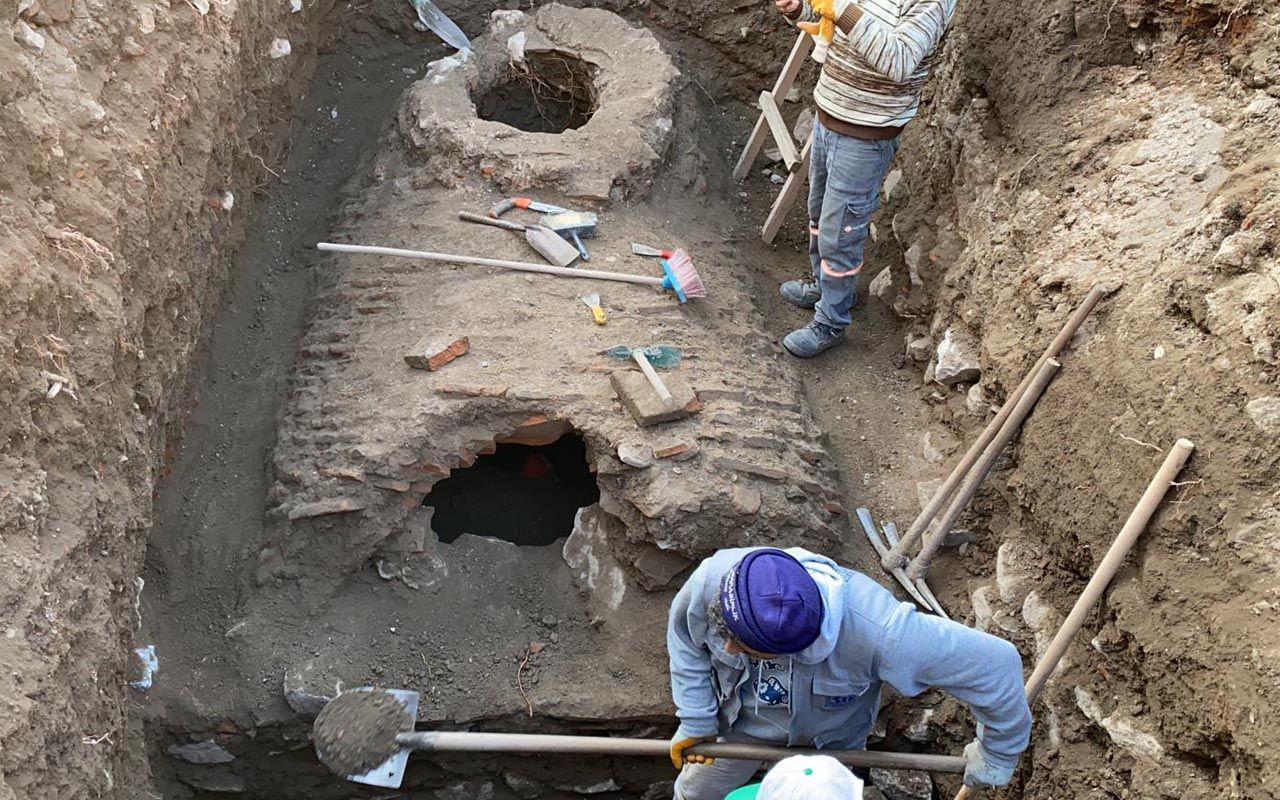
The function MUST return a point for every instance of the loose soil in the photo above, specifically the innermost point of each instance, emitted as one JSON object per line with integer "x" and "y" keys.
{"x": 357, "y": 731}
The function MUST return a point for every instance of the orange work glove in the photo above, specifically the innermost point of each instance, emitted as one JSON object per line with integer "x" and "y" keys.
{"x": 825, "y": 28}
{"x": 678, "y": 745}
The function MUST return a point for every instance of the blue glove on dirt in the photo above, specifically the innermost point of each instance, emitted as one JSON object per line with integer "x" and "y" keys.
{"x": 981, "y": 771}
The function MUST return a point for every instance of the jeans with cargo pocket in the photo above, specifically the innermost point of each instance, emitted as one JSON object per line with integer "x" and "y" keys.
{"x": 845, "y": 175}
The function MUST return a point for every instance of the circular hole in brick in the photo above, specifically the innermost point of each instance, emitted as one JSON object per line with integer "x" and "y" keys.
{"x": 549, "y": 92}
{"x": 526, "y": 494}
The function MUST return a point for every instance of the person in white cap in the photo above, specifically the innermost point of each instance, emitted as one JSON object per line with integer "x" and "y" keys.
{"x": 804, "y": 778}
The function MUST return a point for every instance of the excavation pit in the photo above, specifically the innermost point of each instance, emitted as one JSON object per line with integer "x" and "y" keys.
{"x": 575, "y": 101}
{"x": 524, "y": 494}
{"x": 549, "y": 92}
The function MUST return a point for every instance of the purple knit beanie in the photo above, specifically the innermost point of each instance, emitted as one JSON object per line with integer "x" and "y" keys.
{"x": 770, "y": 602}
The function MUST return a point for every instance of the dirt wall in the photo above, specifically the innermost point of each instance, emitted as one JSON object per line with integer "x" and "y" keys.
{"x": 1132, "y": 145}
{"x": 135, "y": 137}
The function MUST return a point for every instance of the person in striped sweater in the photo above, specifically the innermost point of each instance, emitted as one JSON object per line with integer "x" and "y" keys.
{"x": 874, "y": 68}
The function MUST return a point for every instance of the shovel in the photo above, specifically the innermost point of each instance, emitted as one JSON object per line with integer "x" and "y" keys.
{"x": 546, "y": 241}
{"x": 390, "y": 773}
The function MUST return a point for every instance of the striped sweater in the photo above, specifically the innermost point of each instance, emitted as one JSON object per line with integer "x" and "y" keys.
{"x": 877, "y": 66}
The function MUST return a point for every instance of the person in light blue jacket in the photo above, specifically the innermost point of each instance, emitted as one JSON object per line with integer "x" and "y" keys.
{"x": 787, "y": 647}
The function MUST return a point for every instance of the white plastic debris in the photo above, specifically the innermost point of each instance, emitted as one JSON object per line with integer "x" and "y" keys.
{"x": 515, "y": 46}
{"x": 201, "y": 6}
{"x": 150, "y": 665}
{"x": 295, "y": 6}
{"x": 502, "y": 18}
{"x": 333, "y": 113}
{"x": 280, "y": 48}
{"x": 1157, "y": 352}
{"x": 228, "y": 201}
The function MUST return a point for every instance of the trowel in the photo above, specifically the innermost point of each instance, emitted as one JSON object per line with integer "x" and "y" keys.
{"x": 390, "y": 773}
{"x": 547, "y": 242}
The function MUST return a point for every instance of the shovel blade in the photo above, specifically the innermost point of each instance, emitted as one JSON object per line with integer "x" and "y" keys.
{"x": 390, "y": 773}
{"x": 550, "y": 246}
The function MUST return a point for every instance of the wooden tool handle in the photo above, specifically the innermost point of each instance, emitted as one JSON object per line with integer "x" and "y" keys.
{"x": 521, "y": 266}
{"x": 658, "y": 386}
{"x": 976, "y": 475}
{"x": 899, "y": 555}
{"x": 494, "y": 221}
{"x": 1107, "y": 569}
{"x": 476, "y": 742}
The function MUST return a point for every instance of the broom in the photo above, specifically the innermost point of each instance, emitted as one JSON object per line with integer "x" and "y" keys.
{"x": 679, "y": 276}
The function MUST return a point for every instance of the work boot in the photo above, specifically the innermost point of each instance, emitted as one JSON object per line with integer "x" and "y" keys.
{"x": 813, "y": 339}
{"x": 805, "y": 294}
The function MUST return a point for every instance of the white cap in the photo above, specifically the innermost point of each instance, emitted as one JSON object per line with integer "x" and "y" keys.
{"x": 810, "y": 778}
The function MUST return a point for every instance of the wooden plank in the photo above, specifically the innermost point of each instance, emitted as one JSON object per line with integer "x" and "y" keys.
{"x": 790, "y": 190}
{"x": 778, "y": 127}
{"x": 786, "y": 78}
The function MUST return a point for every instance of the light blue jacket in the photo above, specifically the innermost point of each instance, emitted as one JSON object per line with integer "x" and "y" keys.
{"x": 868, "y": 638}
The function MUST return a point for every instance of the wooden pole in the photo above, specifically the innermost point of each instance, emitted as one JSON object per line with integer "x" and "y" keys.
{"x": 526, "y": 743}
{"x": 522, "y": 266}
{"x": 1133, "y": 527}
{"x": 897, "y": 558}
{"x": 920, "y": 564}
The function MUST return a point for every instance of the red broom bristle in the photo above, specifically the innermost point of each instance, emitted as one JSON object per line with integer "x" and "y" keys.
{"x": 690, "y": 282}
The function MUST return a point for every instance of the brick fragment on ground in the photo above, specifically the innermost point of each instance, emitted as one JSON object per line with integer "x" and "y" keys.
{"x": 677, "y": 449}
{"x": 640, "y": 399}
{"x": 434, "y": 351}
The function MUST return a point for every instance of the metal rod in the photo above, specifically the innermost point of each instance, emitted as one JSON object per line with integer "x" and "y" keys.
{"x": 897, "y": 558}
{"x": 1102, "y": 576}
{"x": 526, "y": 743}
{"x": 522, "y": 266}
{"x": 920, "y": 564}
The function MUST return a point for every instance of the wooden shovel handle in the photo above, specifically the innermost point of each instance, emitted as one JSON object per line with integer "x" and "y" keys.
{"x": 1107, "y": 569}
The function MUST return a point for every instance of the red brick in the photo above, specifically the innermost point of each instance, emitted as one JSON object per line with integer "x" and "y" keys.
{"x": 672, "y": 449}
{"x": 433, "y": 352}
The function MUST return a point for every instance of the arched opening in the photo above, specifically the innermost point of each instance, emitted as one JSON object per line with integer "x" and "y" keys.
{"x": 523, "y": 493}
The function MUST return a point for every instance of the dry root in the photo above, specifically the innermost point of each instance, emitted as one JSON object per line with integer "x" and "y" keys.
{"x": 89, "y": 253}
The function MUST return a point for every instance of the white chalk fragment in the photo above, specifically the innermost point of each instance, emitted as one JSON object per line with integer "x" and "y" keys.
{"x": 437, "y": 71}
{"x": 891, "y": 183}
{"x": 501, "y": 18}
{"x": 515, "y": 47}
{"x": 279, "y": 48}
{"x": 27, "y": 36}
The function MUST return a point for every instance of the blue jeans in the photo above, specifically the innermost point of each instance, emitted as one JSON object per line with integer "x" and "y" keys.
{"x": 845, "y": 175}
